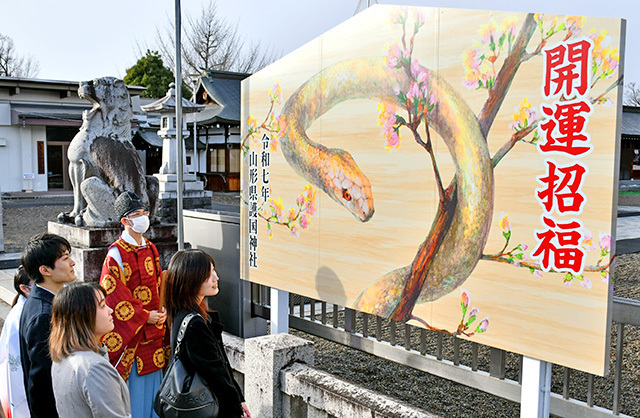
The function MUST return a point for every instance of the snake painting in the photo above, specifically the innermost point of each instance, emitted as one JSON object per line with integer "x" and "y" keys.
{"x": 459, "y": 231}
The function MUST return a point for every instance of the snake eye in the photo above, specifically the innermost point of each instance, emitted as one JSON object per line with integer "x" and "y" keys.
{"x": 346, "y": 195}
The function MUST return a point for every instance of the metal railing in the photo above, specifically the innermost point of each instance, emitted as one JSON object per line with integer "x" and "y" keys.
{"x": 487, "y": 369}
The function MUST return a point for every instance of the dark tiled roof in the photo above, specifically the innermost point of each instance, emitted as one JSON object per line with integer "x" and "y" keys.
{"x": 150, "y": 136}
{"x": 630, "y": 121}
{"x": 224, "y": 88}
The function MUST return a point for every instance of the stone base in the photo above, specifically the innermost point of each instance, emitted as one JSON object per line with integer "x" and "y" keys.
{"x": 1, "y": 230}
{"x": 167, "y": 207}
{"x": 194, "y": 196}
{"x": 89, "y": 245}
{"x": 9, "y": 260}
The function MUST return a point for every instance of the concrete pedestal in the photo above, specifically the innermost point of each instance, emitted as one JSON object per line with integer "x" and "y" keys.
{"x": 265, "y": 357}
{"x": 193, "y": 196}
{"x": 89, "y": 245}
{"x": 1, "y": 230}
{"x": 218, "y": 234}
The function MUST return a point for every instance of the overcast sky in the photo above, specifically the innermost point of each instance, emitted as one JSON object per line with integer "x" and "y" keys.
{"x": 80, "y": 39}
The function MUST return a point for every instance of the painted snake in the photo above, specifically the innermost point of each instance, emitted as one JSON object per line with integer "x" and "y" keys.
{"x": 336, "y": 173}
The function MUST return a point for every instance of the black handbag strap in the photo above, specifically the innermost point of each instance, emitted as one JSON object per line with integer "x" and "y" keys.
{"x": 182, "y": 331}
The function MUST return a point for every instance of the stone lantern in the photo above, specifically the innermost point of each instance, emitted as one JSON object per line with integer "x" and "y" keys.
{"x": 194, "y": 195}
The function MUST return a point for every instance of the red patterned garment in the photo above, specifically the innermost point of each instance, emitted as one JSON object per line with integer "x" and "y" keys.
{"x": 133, "y": 291}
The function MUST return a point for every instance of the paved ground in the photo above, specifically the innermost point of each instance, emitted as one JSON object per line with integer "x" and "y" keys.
{"x": 25, "y": 217}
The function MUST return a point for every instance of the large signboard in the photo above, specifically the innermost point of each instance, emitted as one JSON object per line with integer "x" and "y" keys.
{"x": 454, "y": 169}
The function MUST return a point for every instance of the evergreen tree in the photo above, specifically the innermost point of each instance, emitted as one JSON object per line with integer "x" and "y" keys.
{"x": 150, "y": 72}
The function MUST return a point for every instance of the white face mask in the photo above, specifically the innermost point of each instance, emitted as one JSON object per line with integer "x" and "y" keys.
{"x": 140, "y": 224}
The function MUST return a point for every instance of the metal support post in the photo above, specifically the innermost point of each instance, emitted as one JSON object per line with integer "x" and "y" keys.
{"x": 179, "y": 143}
{"x": 279, "y": 311}
{"x": 536, "y": 388}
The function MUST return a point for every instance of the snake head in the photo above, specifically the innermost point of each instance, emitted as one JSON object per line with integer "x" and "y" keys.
{"x": 347, "y": 185}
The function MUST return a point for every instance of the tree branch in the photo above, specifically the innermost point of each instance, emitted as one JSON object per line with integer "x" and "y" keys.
{"x": 499, "y": 155}
{"x": 506, "y": 75}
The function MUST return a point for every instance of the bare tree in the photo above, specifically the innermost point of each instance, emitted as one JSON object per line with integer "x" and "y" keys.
{"x": 210, "y": 42}
{"x": 13, "y": 65}
{"x": 632, "y": 94}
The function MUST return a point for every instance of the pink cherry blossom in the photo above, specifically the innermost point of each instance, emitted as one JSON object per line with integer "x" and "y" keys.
{"x": 585, "y": 282}
{"x": 393, "y": 141}
{"x": 605, "y": 242}
{"x": 394, "y": 53}
{"x": 415, "y": 68}
{"x": 464, "y": 299}
{"x": 414, "y": 91}
{"x": 472, "y": 316}
{"x": 483, "y": 326}
{"x": 587, "y": 240}
{"x": 304, "y": 221}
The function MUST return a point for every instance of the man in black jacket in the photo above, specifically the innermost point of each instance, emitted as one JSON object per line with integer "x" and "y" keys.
{"x": 46, "y": 259}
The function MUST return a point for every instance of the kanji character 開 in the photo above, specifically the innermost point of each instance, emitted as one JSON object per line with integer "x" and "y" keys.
{"x": 567, "y": 69}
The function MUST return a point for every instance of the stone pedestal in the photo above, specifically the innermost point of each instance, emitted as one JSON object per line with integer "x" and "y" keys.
{"x": 193, "y": 197}
{"x": 1, "y": 230}
{"x": 89, "y": 245}
{"x": 264, "y": 358}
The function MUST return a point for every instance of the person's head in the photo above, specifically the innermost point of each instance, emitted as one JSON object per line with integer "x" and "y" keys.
{"x": 79, "y": 318}
{"x": 22, "y": 283}
{"x": 191, "y": 276}
{"x": 131, "y": 212}
{"x": 46, "y": 259}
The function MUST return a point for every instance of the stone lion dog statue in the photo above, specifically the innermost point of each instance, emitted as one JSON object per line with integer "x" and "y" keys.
{"x": 102, "y": 159}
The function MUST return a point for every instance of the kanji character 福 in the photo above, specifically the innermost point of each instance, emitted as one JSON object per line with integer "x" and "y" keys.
{"x": 559, "y": 246}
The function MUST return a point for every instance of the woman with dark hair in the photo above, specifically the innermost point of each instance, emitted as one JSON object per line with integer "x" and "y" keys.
{"x": 87, "y": 385}
{"x": 12, "y": 394}
{"x": 191, "y": 276}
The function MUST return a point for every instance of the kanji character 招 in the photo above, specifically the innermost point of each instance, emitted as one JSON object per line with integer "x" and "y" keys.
{"x": 562, "y": 189}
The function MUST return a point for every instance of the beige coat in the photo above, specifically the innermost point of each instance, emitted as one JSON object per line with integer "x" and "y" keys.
{"x": 87, "y": 385}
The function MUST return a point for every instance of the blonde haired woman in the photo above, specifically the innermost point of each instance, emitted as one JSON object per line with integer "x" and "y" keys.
{"x": 86, "y": 384}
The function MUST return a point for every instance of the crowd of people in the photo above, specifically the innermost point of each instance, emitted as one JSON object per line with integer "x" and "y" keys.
{"x": 100, "y": 349}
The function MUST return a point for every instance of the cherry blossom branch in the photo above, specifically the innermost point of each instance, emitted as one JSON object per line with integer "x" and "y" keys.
{"x": 613, "y": 85}
{"x": 506, "y": 75}
{"x": 466, "y": 321}
{"x": 517, "y": 136}
{"x": 504, "y": 258}
{"x": 427, "y": 146}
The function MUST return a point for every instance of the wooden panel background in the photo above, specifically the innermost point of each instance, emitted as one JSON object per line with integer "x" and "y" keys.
{"x": 338, "y": 257}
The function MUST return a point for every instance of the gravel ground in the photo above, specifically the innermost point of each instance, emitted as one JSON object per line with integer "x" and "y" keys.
{"x": 23, "y": 219}
{"x": 628, "y": 200}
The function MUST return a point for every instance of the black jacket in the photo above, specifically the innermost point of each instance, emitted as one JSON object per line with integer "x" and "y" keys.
{"x": 35, "y": 326}
{"x": 202, "y": 350}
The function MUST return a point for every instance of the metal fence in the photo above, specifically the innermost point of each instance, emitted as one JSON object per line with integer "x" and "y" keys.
{"x": 487, "y": 369}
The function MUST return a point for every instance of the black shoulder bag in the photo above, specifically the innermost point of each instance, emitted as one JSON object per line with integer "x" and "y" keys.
{"x": 181, "y": 394}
